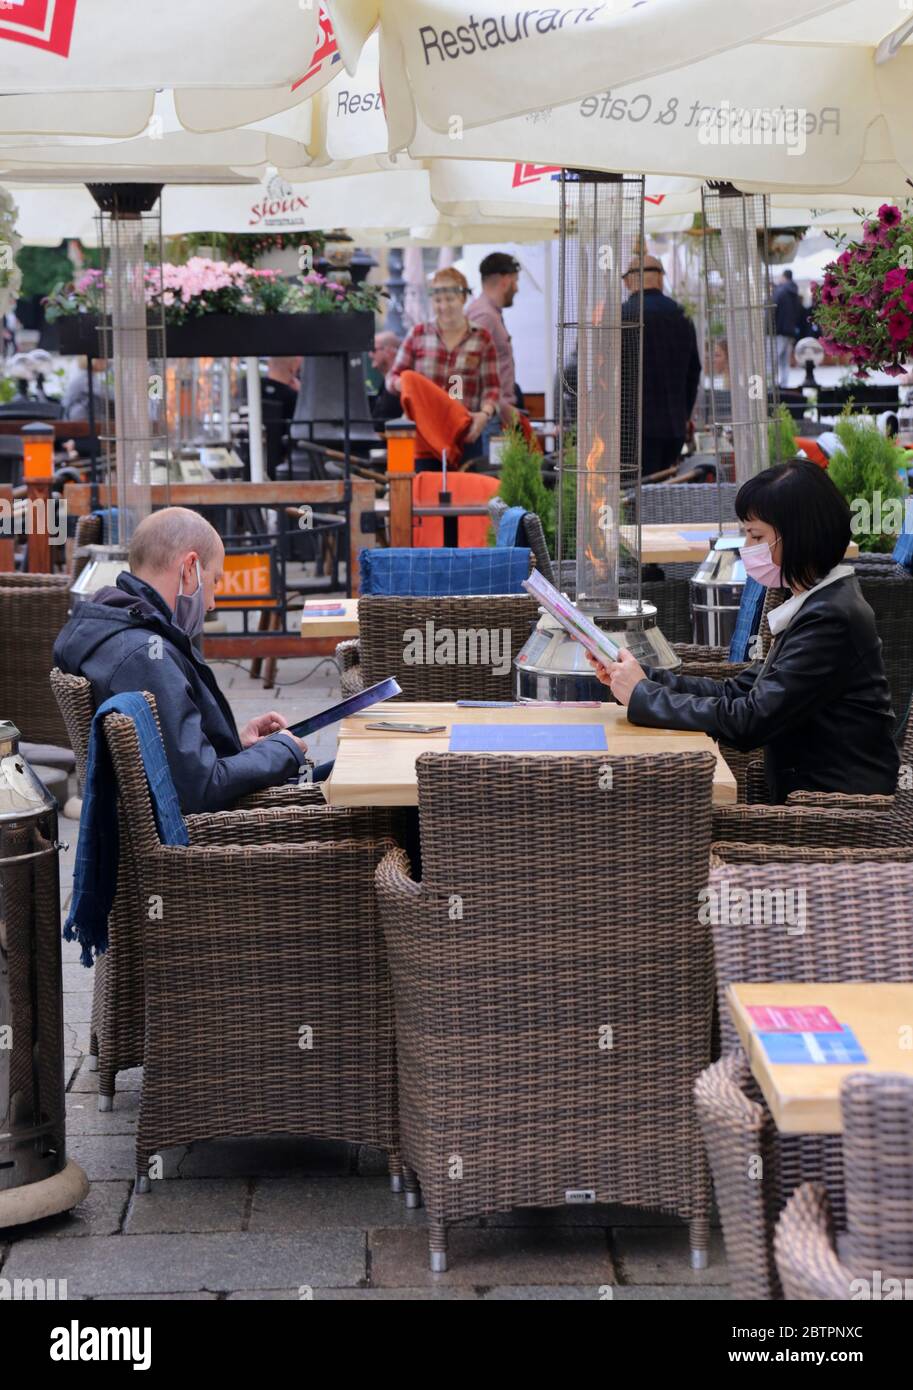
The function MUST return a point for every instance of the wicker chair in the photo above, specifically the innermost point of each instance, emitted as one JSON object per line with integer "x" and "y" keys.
{"x": 268, "y": 1001}
{"x": 669, "y": 504}
{"x": 877, "y": 1113}
{"x": 512, "y": 978}
{"x": 856, "y": 916}
{"x": 118, "y": 1002}
{"x": 380, "y": 649}
{"x": 89, "y": 531}
{"x": 33, "y": 609}
{"x": 828, "y": 819}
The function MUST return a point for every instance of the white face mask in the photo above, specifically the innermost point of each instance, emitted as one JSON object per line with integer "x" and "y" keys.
{"x": 189, "y": 612}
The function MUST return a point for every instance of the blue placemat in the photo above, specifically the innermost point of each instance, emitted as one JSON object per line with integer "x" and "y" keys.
{"x": 813, "y": 1049}
{"x": 528, "y": 738}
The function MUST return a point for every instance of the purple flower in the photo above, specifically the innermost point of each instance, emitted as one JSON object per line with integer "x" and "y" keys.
{"x": 894, "y": 280}
{"x": 906, "y": 298}
{"x": 890, "y": 215}
{"x": 900, "y": 326}
{"x": 894, "y": 370}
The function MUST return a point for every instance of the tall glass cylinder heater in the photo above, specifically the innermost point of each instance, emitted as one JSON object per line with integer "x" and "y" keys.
{"x": 132, "y": 344}
{"x": 598, "y": 542}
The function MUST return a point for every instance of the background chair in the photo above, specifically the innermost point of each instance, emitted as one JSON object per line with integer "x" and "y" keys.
{"x": 320, "y": 411}
{"x": 268, "y": 1005}
{"x": 33, "y": 609}
{"x": 536, "y": 1000}
{"x": 116, "y": 1040}
{"x": 384, "y": 646}
{"x": 814, "y": 1260}
{"x": 856, "y": 929}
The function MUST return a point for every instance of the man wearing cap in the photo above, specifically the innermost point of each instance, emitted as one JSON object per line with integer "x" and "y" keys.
{"x": 671, "y": 366}
{"x": 500, "y": 275}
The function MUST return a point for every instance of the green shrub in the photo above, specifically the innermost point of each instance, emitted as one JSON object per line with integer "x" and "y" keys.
{"x": 522, "y": 484}
{"x": 781, "y": 436}
{"x": 864, "y": 468}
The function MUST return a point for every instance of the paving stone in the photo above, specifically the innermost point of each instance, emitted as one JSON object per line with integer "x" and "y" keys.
{"x": 84, "y": 1116}
{"x": 99, "y": 1214}
{"x": 660, "y": 1256}
{"x": 77, "y": 1010}
{"x": 76, "y": 978}
{"x": 103, "y": 1157}
{"x": 358, "y": 1295}
{"x": 185, "y": 1263}
{"x": 277, "y": 1156}
{"x": 544, "y": 1293}
{"x": 372, "y": 1163}
{"x": 297, "y": 1204}
{"x": 86, "y": 1080}
{"x": 671, "y": 1293}
{"x": 519, "y": 1255}
{"x": 195, "y": 1204}
{"x": 158, "y": 1297}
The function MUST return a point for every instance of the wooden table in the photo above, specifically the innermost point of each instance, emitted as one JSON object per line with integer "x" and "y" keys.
{"x": 805, "y": 1098}
{"x": 686, "y": 542}
{"x": 378, "y": 769}
{"x": 346, "y": 625}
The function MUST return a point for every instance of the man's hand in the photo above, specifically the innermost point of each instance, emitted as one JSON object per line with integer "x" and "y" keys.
{"x": 261, "y": 727}
{"x": 480, "y": 419}
{"x": 620, "y": 676}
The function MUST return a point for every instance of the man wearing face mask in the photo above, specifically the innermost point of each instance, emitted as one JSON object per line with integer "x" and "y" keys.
{"x": 138, "y": 635}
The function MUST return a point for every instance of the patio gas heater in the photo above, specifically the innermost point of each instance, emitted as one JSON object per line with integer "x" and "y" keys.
{"x": 132, "y": 343}
{"x": 739, "y": 315}
{"x": 599, "y": 458}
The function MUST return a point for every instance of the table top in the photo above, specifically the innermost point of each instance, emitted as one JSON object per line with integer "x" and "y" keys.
{"x": 804, "y": 1098}
{"x": 378, "y": 769}
{"x": 345, "y": 625}
{"x": 685, "y": 542}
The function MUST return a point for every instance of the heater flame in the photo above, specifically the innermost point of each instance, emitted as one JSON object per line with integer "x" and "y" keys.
{"x": 598, "y": 563}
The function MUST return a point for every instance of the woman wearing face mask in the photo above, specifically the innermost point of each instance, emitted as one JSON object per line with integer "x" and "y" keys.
{"x": 819, "y": 704}
{"x": 450, "y": 349}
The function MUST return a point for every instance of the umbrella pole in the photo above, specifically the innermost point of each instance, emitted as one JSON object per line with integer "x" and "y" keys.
{"x": 254, "y": 419}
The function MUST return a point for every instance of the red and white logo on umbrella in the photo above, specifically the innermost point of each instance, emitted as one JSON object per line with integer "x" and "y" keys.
{"x": 532, "y": 173}
{"x": 325, "y": 55}
{"x": 46, "y": 24}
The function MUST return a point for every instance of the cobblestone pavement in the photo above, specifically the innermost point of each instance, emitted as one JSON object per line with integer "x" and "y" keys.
{"x": 286, "y": 1219}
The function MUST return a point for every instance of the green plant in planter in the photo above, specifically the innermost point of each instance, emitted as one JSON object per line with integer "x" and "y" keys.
{"x": 864, "y": 468}
{"x": 521, "y": 481}
{"x": 781, "y": 435}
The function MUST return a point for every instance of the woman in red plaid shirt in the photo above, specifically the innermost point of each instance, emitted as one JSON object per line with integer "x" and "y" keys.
{"x": 456, "y": 356}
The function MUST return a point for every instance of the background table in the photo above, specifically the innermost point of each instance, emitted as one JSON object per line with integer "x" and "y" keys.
{"x": 667, "y": 543}
{"x": 805, "y": 1098}
{"x": 346, "y": 625}
{"x": 378, "y": 769}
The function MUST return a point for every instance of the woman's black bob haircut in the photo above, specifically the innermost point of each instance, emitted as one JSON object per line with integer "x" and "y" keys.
{"x": 808, "y": 513}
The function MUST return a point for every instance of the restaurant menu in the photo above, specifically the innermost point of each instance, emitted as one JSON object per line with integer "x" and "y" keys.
{"x": 577, "y": 624}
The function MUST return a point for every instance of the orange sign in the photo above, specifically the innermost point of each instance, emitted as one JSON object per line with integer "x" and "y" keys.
{"x": 247, "y": 581}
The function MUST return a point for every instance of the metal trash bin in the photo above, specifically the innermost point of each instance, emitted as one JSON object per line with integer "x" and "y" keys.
{"x": 716, "y": 593}
{"x": 35, "y": 1178}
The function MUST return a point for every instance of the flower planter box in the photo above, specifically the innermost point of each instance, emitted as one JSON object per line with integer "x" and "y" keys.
{"x": 232, "y": 335}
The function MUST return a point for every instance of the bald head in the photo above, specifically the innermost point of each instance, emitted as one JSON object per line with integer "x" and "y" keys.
{"x": 383, "y": 353}
{"x": 166, "y": 548}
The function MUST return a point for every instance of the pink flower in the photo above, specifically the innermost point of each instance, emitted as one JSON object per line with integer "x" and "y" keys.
{"x": 890, "y": 215}
{"x": 894, "y": 280}
{"x": 907, "y": 297}
{"x": 894, "y": 370}
{"x": 829, "y": 295}
{"x": 900, "y": 326}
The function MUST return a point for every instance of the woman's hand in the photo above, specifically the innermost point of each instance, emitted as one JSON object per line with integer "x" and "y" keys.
{"x": 480, "y": 419}
{"x": 620, "y": 676}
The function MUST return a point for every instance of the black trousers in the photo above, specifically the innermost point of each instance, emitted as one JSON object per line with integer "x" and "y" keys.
{"x": 659, "y": 454}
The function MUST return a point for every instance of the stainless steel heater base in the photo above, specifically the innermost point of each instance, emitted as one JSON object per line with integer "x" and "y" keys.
{"x": 553, "y": 666}
{"x": 105, "y": 564}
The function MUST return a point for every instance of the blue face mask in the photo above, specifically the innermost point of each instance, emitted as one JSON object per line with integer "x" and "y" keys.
{"x": 189, "y": 612}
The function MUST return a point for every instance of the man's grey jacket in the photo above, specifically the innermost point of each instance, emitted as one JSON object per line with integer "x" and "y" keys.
{"x": 124, "y": 639}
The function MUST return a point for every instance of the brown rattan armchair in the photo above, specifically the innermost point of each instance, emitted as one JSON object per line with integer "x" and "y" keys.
{"x": 856, "y": 928}
{"x": 268, "y": 1007}
{"x": 814, "y": 1261}
{"x": 118, "y": 1004}
{"x": 828, "y": 819}
{"x": 553, "y": 985}
{"x": 33, "y": 609}
{"x": 383, "y": 648}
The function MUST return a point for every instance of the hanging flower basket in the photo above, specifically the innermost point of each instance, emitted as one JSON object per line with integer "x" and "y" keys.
{"x": 864, "y": 305}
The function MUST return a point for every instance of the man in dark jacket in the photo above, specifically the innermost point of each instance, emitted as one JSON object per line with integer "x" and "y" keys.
{"x": 787, "y": 319}
{"x": 139, "y": 636}
{"x": 671, "y": 366}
